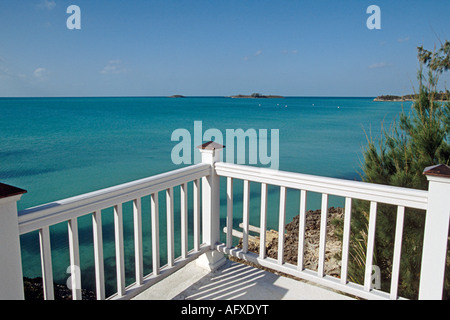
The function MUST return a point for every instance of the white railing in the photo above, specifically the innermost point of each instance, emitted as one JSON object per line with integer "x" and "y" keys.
{"x": 69, "y": 210}
{"x": 400, "y": 197}
{"x": 210, "y": 250}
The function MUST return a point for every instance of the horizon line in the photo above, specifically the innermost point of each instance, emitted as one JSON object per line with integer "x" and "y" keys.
{"x": 188, "y": 96}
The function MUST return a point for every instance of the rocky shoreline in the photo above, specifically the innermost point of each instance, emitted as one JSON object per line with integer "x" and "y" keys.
{"x": 438, "y": 97}
{"x": 311, "y": 245}
{"x": 33, "y": 289}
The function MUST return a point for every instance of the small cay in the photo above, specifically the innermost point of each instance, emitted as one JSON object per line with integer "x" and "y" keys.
{"x": 257, "y": 96}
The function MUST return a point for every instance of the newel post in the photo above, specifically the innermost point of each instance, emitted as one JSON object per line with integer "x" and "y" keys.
{"x": 211, "y": 260}
{"x": 436, "y": 233}
{"x": 11, "y": 279}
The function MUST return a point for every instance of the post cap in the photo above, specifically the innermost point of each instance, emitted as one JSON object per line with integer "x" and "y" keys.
{"x": 211, "y": 145}
{"x": 439, "y": 170}
{"x": 9, "y": 191}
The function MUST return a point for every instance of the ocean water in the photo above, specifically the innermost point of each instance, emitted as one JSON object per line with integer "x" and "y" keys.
{"x": 61, "y": 147}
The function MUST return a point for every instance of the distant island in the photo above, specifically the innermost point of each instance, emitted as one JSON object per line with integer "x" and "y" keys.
{"x": 257, "y": 96}
{"x": 177, "y": 96}
{"x": 438, "y": 96}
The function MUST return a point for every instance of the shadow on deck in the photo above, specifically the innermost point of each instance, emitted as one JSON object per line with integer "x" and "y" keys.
{"x": 234, "y": 281}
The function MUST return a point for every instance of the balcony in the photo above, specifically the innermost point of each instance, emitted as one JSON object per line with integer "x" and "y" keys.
{"x": 203, "y": 272}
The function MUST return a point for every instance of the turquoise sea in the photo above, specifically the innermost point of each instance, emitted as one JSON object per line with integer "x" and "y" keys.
{"x": 61, "y": 147}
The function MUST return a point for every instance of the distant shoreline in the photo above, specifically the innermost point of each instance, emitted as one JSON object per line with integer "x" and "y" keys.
{"x": 180, "y": 96}
{"x": 439, "y": 97}
{"x": 257, "y": 96}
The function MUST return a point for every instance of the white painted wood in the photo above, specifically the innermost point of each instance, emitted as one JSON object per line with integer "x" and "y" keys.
{"x": 206, "y": 210}
{"x": 11, "y": 278}
{"x": 246, "y": 215}
{"x": 434, "y": 252}
{"x": 238, "y": 234}
{"x": 323, "y": 235}
{"x": 229, "y": 224}
{"x": 170, "y": 227}
{"x": 436, "y": 231}
{"x": 211, "y": 199}
{"x": 370, "y": 246}
{"x": 196, "y": 191}
{"x": 154, "y": 207}
{"x": 397, "y": 251}
{"x": 74, "y": 254}
{"x": 151, "y": 279}
{"x": 211, "y": 209}
{"x": 251, "y": 228}
{"x": 327, "y": 281}
{"x": 346, "y": 188}
{"x": 98, "y": 254}
{"x": 69, "y": 209}
{"x": 138, "y": 251}
{"x": 346, "y": 239}
{"x": 263, "y": 221}
{"x": 184, "y": 220}
{"x": 46, "y": 263}
{"x": 301, "y": 230}
{"x": 63, "y": 210}
{"x": 281, "y": 225}
{"x": 120, "y": 263}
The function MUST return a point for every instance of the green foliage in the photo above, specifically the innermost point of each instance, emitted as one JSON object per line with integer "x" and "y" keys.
{"x": 419, "y": 139}
{"x": 438, "y": 61}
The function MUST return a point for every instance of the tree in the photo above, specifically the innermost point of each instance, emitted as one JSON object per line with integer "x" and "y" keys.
{"x": 438, "y": 61}
{"x": 398, "y": 158}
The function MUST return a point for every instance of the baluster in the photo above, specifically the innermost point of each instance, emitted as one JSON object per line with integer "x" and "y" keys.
{"x": 246, "y": 216}
{"x": 138, "y": 255}
{"x": 323, "y": 235}
{"x": 346, "y": 239}
{"x": 196, "y": 191}
{"x": 281, "y": 223}
{"x": 184, "y": 222}
{"x": 170, "y": 230}
{"x": 370, "y": 246}
{"x": 263, "y": 223}
{"x": 301, "y": 230}
{"x": 120, "y": 265}
{"x": 229, "y": 240}
{"x": 74, "y": 252}
{"x": 98, "y": 254}
{"x": 46, "y": 263}
{"x": 397, "y": 251}
{"x": 154, "y": 203}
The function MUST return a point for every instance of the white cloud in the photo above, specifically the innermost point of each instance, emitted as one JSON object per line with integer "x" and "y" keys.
{"x": 4, "y": 70}
{"x": 40, "y": 73}
{"x": 378, "y": 65}
{"x": 257, "y": 53}
{"x": 403, "y": 39}
{"x": 289, "y": 51}
{"x": 113, "y": 67}
{"x": 47, "y": 4}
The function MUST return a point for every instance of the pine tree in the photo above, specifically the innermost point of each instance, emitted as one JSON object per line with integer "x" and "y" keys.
{"x": 419, "y": 139}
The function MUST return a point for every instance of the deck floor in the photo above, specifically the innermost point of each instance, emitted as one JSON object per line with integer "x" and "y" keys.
{"x": 234, "y": 281}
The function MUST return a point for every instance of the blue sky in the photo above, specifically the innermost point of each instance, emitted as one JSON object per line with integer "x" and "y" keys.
{"x": 216, "y": 47}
